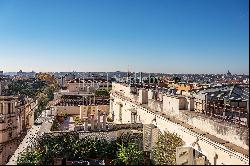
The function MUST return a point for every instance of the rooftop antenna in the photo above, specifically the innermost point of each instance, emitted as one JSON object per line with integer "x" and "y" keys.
{"x": 79, "y": 84}
{"x": 83, "y": 82}
{"x": 140, "y": 77}
{"x": 128, "y": 75}
{"x": 149, "y": 80}
{"x": 135, "y": 78}
{"x": 107, "y": 81}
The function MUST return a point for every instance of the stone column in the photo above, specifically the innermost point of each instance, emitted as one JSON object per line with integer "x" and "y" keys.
{"x": 86, "y": 123}
{"x": 86, "y": 101}
{"x": 239, "y": 113}
{"x": 92, "y": 122}
{"x": 104, "y": 121}
{"x": 99, "y": 120}
{"x": 90, "y": 100}
{"x": 12, "y": 107}
{"x": 111, "y": 108}
{"x": 214, "y": 109}
{"x": 19, "y": 124}
{"x": 224, "y": 113}
{"x": 3, "y": 108}
{"x": 235, "y": 115}
{"x": 6, "y": 107}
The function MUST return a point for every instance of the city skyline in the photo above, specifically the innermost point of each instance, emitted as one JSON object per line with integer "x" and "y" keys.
{"x": 103, "y": 36}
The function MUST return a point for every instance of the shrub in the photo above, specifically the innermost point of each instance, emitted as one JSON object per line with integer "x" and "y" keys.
{"x": 29, "y": 158}
{"x": 165, "y": 151}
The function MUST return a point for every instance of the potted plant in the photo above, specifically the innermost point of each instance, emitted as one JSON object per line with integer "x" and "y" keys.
{"x": 109, "y": 119}
{"x": 65, "y": 115}
{"x": 55, "y": 125}
{"x": 60, "y": 117}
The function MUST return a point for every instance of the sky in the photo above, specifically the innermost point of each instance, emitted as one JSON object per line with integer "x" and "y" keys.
{"x": 166, "y": 36}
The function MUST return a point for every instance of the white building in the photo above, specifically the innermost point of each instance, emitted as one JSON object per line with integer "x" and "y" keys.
{"x": 220, "y": 143}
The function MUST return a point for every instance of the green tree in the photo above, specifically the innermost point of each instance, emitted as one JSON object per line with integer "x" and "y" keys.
{"x": 165, "y": 151}
{"x": 101, "y": 92}
{"x": 29, "y": 158}
{"x": 129, "y": 155}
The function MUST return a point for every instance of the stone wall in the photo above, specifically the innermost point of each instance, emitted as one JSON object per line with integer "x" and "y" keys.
{"x": 71, "y": 110}
{"x": 171, "y": 105}
{"x": 206, "y": 146}
{"x": 155, "y": 105}
{"x": 6, "y": 151}
{"x": 230, "y": 132}
{"x": 125, "y": 90}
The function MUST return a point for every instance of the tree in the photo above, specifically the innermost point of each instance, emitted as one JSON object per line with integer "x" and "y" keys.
{"x": 101, "y": 92}
{"x": 69, "y": 146}
{"x": 27, "y": 87}
{"x": 129, "y": 155}
{"x": 165, "y": 151}
{"x": 29, "y": 158}
{"x": 42, "y": 103}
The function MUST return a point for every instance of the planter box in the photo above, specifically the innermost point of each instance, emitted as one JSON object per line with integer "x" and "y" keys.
{"x": 58, "y": 161}
{"x": 68, "y": 162}
{"x": 60, "y": 118}
{"x": 108, "y": 161}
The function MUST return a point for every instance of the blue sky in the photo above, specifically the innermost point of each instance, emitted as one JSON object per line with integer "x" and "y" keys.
{"x": 170, "y": 36}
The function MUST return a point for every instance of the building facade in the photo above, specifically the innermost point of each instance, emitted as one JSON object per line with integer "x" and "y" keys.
{"x": 16, "y": 116}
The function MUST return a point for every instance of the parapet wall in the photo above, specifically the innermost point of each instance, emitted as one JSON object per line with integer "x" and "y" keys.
{"x": 214, "y": 151}
{"x": 229, "y": 132}
{"x": 155, "y": 105}
{"x": 179, "y": 107}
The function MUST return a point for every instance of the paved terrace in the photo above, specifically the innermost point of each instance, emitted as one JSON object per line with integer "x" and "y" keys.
{"x": 231, "y": 148}
{"x": 29, "y": 139}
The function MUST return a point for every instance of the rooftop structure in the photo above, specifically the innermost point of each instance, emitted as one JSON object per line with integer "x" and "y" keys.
{"x": 176, "y": 113}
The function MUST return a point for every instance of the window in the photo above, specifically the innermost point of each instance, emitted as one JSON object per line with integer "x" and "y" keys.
{"x": 12, "y": 107}
{"x": 9, "y": 108}
{"x": 1, "y": 108}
